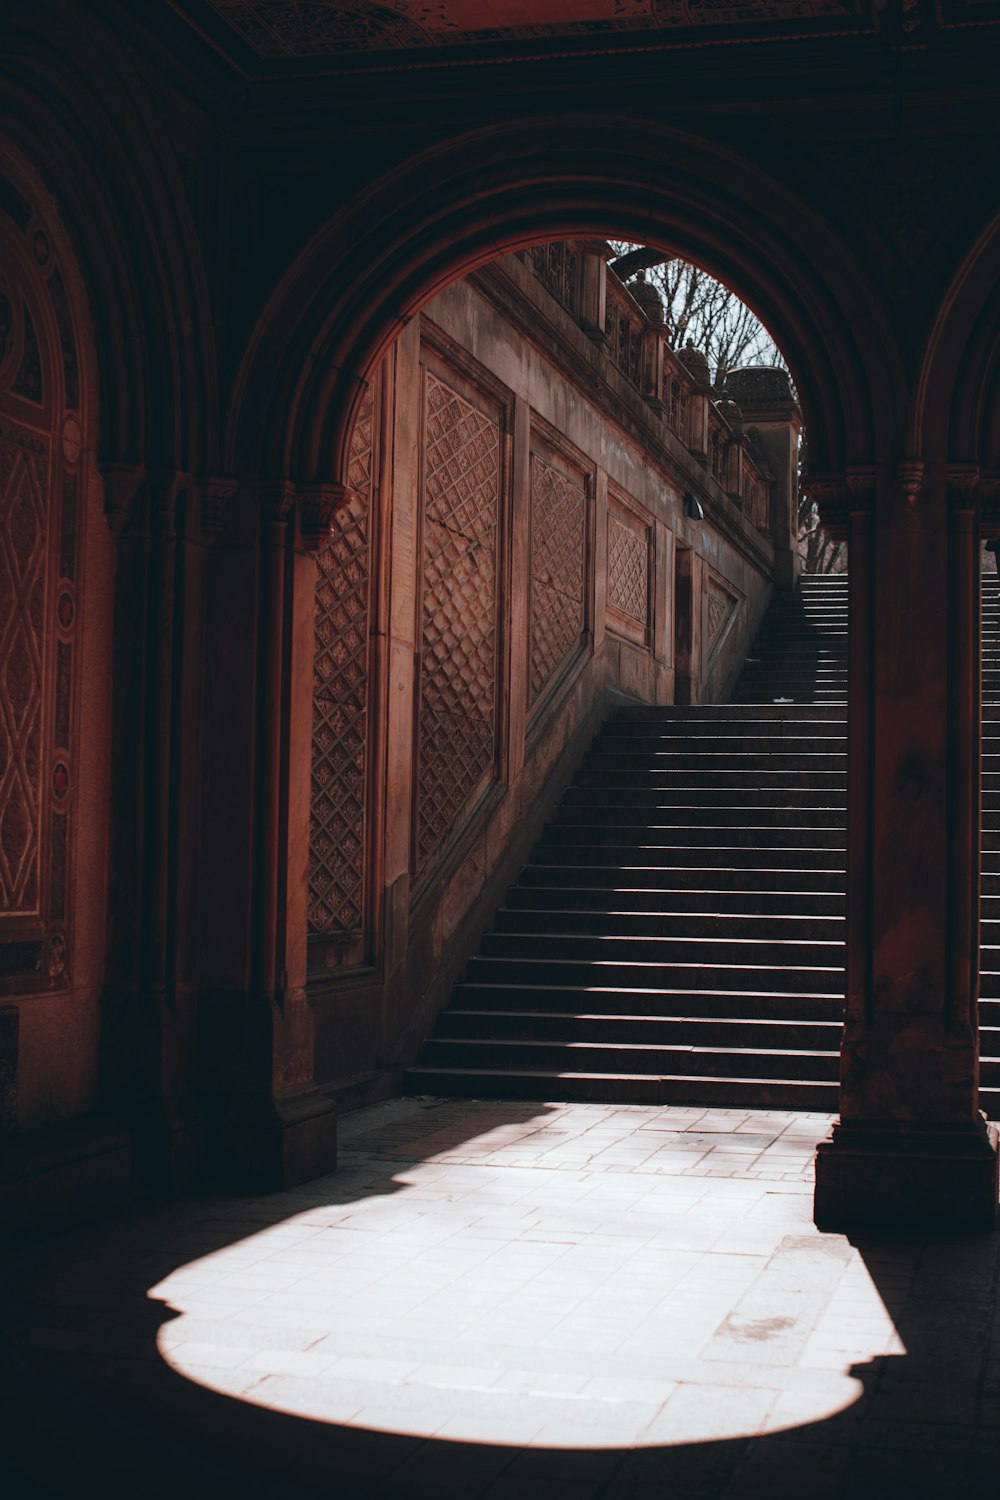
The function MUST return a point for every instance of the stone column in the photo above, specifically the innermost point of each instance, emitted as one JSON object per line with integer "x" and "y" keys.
{"x": 593, "y": 292}
{"x": 910, "y": 1143}
{"x": 150, "y": 1021}
{"x": 279, "y": 1128}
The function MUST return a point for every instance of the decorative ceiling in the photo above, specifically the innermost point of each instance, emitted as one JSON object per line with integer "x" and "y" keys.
{"x": 262, "y": 35}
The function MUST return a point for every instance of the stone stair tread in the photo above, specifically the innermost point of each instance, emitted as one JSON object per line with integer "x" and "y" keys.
{"x": 640, "y": 1018}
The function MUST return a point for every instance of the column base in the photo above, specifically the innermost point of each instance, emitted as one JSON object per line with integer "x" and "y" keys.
{"x": 291, "y": 1141}
{"x": 897, "y": 1172}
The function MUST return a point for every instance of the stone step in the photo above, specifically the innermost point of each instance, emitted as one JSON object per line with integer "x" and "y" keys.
{"x": 747, "y": 952}
{"x": 718, "y": 815}
{"x": 672, "y": 833}
{"x": 697, "y": 974}
{"x": 622, "y": 1088}
{"x": 720, "y": 741}
{"x": 744, "y": 760}
{"x": 742, "y": 1004}
{"x": 620, "y": 1029}
{"x": 661, "y": 1060}
{"x": 714, "y": 925}
{"x": 734, "y": 725}
{"x": 688, "y": 856}
{"x": 793, "y": 799}
{"x": 660, "y": 876}
{"x": 715, "y": 905}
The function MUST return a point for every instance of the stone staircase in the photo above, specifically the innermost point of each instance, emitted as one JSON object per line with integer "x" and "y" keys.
{"x": 678, "y": 936}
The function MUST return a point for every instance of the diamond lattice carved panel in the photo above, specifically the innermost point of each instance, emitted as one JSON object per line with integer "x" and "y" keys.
{"x": 628, "y": 568}
{"x": 458, "y": 676}
{"x": 42, "y": 423}
{"x": 338, "y": 825}
{"x": 23, "y": 485}
{"x": 558, "y": 569}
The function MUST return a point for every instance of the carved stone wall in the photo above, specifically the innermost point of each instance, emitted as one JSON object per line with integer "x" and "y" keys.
{"x": 459, "y": 636}
{"x": 339, "y": 831}
{"x": 41, "y": 450}
{"x": 558, "y": 569}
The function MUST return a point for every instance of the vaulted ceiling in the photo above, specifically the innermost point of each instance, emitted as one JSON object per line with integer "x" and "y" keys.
{"x": 276, "y": 33}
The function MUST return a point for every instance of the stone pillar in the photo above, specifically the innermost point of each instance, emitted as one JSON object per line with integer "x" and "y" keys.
{"x": 150, "y": 1014}
{"x": 910, "y": 1143}
{"x": 278, "y": 1128}
{"x": 651, "y": 366}
{"x": 593, "y": 291}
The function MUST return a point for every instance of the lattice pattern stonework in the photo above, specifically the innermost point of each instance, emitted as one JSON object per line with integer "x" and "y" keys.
{"x": 23, "y": 487}
{"x": 459, "y": 629}
{"x": 628, "y": 569}
{"x": 41, "y": 465}
{"x": 558, "y": 569}
{"x": 338, "y": 825}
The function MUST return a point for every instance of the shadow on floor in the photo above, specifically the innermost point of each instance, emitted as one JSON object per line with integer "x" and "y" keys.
{"x": 90, "y": 1408}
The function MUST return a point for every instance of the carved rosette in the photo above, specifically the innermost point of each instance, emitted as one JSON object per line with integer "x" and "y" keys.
{"x": 318, "y": 504}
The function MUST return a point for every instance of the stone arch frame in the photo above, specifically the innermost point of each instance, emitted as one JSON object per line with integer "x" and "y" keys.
{"x": 364, "y": 277}
{"x": 439, "y": 215}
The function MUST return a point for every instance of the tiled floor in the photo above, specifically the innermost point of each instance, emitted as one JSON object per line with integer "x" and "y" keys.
{"x": 569, "y": 1302}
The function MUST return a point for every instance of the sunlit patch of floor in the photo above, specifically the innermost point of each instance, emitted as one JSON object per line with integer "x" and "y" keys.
{"x": 562, "y": 1276}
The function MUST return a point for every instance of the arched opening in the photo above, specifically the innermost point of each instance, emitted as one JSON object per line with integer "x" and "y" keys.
{"x": 447, "y": 784}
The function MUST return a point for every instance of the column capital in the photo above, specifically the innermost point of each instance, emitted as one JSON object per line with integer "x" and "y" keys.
{"x": 963, "y": 487}
{"x": 989, "y": 502}
{"x": 831, "y": 494}
{"x": 910, "y": 478}
{"x": 217, "y": 492}
{"x": 276, "y": 497}
{"x": 318, "y": 504}
{"x": 122, "y": 483}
